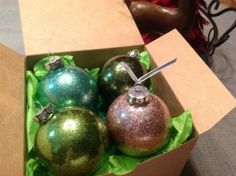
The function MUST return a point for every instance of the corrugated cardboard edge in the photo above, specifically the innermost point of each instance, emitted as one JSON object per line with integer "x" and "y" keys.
{"x": 12, "y": 113}
{"x": 61, "y": 26}
{"x": 193, "y": 83}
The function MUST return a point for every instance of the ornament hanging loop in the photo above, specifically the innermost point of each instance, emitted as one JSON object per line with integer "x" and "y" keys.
{"x": 139, "y": 94}
{"x": 156, "y": 70}
{"x": 130, "y": 72}
{"x": 147, "y": 75}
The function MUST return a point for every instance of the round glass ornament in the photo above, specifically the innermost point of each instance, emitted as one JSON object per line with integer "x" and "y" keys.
{"x": 138, "y": 121}
{"x": 71, "y": 140}
{"x": 113, "y": 80}
{"x": 67, "y": 86}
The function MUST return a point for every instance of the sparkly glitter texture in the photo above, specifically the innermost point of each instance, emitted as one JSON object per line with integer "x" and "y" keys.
{"x": 139, "y": 129}
{"x": 114, "y": 80}
{"x": 72, "y": 142}
{"x": 68, "y": 86}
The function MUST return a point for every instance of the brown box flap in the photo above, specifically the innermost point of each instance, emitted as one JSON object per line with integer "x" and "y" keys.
{"x": 193, "y": 83}
{"x": 12, "y": 113}
{"x": 60, "y": 25}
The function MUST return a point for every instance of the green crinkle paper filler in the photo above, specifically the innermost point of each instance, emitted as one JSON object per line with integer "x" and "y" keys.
{"x": 93, "y": 73}
{"x": 31, "y": 125}
{"x": 144, "y": 58}
{"x": 112, "y": 160}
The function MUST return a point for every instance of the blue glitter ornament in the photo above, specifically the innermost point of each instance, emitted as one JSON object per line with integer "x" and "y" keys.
{"x": 67, "y": 87}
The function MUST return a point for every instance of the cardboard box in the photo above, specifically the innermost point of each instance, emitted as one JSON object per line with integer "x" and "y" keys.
{"x": 92, "y": 32}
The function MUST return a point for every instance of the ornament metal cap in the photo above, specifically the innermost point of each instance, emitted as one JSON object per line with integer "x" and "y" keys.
{"x": 133, "y": 53}
{"x": 138, "y": 94}
{"x": 55, "y": 63}
{"x": 45, "y": 114}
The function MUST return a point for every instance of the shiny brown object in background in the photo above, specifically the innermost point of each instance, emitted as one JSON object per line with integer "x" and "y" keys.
{"x": 139, "y": 122}
{"x": 150, "y": 17}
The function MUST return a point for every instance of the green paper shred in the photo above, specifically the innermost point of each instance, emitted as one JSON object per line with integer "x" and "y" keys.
{"x": 93, "y": 73}
{"x": 36, "y": 167}
{"x": 145, "y": 59}
{"x": 183, "y": 128}
{"x": 112, "y": 161}
{"x": 153, "y": 90}
{"x": 31, "y": 125}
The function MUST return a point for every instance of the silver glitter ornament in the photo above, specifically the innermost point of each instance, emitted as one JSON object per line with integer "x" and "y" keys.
{"x": 67, "y": 86}
{"x": 138, "y": 121}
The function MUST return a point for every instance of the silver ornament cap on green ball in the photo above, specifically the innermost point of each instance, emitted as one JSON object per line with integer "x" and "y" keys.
{"x": 67, "y": 86}
{"x": 70, "y": 140}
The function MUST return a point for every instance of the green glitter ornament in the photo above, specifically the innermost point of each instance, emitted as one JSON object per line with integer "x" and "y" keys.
{"x": 71, "y": 140}
{"x": 113, "y": 79}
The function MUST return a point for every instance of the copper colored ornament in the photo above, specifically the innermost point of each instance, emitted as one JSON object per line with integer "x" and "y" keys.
{"x": 113, "y": 80}
{"x": 139, "y": 122}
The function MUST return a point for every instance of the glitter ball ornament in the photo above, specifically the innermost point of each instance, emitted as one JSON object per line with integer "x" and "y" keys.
{"x": 139, "y": 126}
{"x": 113, "y": 80}
{"x": 71, "y": 141}
{"x": 139, "y": 122}
{"x": 67, "y": 86}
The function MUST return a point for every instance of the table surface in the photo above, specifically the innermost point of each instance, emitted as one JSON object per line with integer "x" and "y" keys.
{"x": 215, "y": 152}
